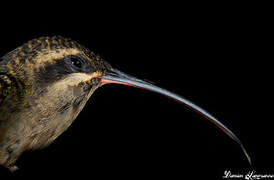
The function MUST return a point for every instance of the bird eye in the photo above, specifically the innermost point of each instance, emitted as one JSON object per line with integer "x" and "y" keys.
{"x": 76, "y": 62}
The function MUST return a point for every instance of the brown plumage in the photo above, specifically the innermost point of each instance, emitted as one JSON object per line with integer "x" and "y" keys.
{"x": 44, "y": 85}
{"x": 39, "y": 97}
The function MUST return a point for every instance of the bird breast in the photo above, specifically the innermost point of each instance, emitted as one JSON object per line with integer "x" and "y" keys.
{"x": 50, "y": 114}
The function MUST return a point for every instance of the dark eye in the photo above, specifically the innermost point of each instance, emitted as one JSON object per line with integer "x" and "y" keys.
{"x": 76, "y": 62}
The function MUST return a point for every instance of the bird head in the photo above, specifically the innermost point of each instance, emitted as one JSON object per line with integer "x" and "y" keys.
{"x": 66, "y": 74}
{"x": 48, "y": 61}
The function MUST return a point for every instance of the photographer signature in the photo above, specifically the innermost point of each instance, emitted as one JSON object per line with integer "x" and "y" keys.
{"x": 251, "y": 175}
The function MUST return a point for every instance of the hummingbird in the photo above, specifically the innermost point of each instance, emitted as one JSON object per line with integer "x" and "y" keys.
{"x": 44, "y": 85}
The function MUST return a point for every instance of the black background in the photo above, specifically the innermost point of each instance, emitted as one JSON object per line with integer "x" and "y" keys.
{"x": 217, "y": 55}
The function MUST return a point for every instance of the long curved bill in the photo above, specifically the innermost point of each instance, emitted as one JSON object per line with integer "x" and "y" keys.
{"x": 118, "y": 77}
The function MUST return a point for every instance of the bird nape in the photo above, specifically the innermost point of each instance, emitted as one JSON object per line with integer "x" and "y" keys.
{"x": 44, "y": 85}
